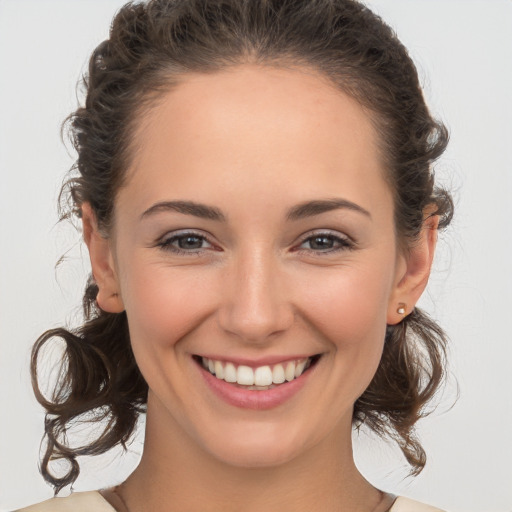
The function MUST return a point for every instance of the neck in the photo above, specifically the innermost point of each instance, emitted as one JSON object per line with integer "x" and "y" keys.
{"x": 176, "y": 474}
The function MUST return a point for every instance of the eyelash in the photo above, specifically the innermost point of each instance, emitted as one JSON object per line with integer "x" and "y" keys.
{"x": 344, "y": 244}
{"x": 166, "y": 244}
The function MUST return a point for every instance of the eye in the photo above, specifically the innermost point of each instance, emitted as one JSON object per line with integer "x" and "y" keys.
{"x": 188, "y": 243}
{"x": 326, "y": 243}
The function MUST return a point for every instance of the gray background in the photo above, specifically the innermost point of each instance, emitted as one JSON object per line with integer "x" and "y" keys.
{"x": 463, "y": 49}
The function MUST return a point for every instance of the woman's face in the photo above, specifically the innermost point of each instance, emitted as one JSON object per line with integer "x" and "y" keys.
{"x": 256, "y": 229}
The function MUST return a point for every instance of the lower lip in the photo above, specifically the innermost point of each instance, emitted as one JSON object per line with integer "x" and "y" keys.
{"x": 251, "y": 398}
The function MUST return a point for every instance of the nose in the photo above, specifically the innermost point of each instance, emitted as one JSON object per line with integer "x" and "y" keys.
{"x": 255, "y": 304}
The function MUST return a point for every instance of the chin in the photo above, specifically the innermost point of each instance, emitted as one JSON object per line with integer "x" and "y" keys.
{"x": 256, "y": 446}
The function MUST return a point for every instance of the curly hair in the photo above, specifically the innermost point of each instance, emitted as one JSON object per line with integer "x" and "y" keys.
{"x": 151, "y": 47}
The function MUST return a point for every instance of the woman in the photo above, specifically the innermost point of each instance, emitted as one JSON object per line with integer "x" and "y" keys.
{"x": 254, "y": 182}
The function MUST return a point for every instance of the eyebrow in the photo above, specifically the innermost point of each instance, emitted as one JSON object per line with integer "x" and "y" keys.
{"x": 297, "y": 212}
{"x": 188, "y": 208}
{"x": 318, "y": 206}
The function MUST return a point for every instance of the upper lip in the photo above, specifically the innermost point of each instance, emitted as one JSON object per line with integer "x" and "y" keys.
{"x": 255, "y": 363}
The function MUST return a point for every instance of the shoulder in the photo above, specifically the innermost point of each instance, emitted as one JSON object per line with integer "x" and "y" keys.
{"x": 91, "y": 501}
{"x": 407, "y": 505}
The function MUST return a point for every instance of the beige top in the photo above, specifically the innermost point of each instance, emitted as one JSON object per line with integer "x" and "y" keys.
{"x": 93, "y": 501}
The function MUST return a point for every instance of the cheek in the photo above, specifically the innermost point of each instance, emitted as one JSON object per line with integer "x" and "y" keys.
{"x": 163, "y": 305}
{"x": 349, "y": 309}
{"x": 349, "y": 305}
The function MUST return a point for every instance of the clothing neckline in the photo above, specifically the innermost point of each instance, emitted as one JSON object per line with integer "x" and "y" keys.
{"x": 385, "y": 505}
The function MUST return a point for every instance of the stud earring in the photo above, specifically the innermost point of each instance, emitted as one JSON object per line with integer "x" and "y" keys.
{"x": 401, "y": 308}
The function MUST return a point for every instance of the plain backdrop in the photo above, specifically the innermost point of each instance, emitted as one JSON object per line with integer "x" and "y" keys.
{"x": 463, "y": 49}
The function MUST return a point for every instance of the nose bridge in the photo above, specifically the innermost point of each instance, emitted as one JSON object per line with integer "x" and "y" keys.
{"x": 255, "y": 304}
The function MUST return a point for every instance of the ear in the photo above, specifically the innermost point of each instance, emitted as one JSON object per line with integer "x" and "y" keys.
{"x": 102, "y": 263}
{"x": 413, "y": 270}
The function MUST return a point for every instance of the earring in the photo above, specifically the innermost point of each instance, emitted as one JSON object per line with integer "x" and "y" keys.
{"x": 401, "y": 308}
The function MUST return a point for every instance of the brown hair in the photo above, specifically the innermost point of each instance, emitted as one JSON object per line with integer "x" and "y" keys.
{"x": 152, "y": 46}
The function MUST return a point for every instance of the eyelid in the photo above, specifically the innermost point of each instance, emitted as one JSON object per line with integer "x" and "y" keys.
{"x": 346, "y": 243}
{"x": 165, "y": 241}
{"x": 328, "y": 232}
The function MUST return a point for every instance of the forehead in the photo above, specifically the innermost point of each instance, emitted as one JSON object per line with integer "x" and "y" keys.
{"x": 256, "y": 126}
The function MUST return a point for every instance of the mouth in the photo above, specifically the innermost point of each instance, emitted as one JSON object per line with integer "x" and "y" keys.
{"x": 260, "y": 378}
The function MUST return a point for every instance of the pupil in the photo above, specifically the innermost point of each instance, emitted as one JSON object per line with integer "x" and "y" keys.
{"x": 190, "y": 242}
{"x": 325, "y": 242}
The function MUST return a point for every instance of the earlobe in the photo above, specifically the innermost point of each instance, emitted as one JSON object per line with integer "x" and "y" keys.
{"x": 102, "y": 263}
{"x": 412, "y": 278}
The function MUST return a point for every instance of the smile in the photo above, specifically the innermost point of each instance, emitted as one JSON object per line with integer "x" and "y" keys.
{"x": 260, "y": 378}
{"x": 245, "y": 385}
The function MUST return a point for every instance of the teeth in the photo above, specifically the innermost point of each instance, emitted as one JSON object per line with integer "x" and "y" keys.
{"x": 278, "y": 376}
{"x": 230, "y": 372}
{"x": 299, "y": 368}
{"x": 289, "y": 372}
{"x": 245, "y": 375}
{"x": 219, "y": 371}
{"x": 261, "y": 378}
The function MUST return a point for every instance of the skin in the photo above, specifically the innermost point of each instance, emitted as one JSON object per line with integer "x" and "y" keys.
{"x": 254, "y": 142}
